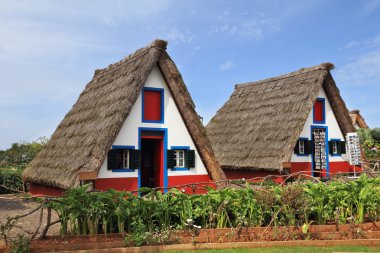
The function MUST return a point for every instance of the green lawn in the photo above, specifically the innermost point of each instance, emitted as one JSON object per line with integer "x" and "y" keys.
{"x": 292, "y": 249}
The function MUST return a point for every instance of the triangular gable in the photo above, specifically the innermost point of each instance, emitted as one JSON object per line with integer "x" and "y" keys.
{"x": 81, "y": 142}
{"x": 258, "y": 127}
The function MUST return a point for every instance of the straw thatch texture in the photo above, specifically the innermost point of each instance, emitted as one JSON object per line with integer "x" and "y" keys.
{"x": 358, "y": 119}
{"x": 81, "y": 142}
{"x": 257, "y": 128}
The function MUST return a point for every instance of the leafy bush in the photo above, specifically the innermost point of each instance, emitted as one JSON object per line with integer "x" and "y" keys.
{"x": 20, "y": 154}
{"x": 20, "y": 245}
{"x": 370, "y": 142}
{"x": 11, "y": 178}
{"x": 375, "y": 133}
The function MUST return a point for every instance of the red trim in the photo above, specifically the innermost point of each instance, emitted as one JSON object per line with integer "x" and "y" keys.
{"x": 39, "y": 190}
{"x": 153, "y": 137}
{"x": 119, "y": 184}
{"x": 152, "y": 105}
{"x": 158, "y": 159}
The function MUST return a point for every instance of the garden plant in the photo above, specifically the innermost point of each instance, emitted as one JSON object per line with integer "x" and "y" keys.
{"x": 148, "y": 219}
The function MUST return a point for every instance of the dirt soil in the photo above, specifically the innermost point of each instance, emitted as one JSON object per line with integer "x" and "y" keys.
{"x": 12, "y": 205}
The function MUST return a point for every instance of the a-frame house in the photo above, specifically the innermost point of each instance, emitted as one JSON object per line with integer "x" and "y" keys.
{"x": 134, "y": 125}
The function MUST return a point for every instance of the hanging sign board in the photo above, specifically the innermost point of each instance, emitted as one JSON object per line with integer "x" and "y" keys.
{"x": 353, "y": 153}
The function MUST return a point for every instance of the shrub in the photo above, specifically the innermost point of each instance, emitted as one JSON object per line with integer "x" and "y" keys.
{"x": 10, "y": 178}
{"x": 20, "y": 154}
{"x": 20, "y": 245}
{"x": 375, "y": 133}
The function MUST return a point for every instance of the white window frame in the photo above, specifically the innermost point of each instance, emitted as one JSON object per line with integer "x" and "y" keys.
{"x": 301, "y": 147}
{"x": 126, "y": 155}
{"x": 178, "y": 159}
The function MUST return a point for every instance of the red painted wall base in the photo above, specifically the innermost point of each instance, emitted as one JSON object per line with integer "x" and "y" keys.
{"x": 335, "y": 168}
{"x": 255, "y": 175}
{"x": 119, "y": 184}
{"x": 305, "y": 168}
{"x": 131, "y": 184}
{"x": 38, "y": 190}
{"x": 181, "y": 180}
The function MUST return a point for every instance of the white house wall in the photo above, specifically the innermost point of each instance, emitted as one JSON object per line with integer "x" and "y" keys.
{"x": 177, "y": 131}
{"x": 334, "y": 131}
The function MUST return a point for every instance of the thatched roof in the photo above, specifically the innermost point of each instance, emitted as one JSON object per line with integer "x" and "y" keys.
{"x": 257, "y": 128}
{"x": 358, "y": 119}
{"x": 80, "y": 144}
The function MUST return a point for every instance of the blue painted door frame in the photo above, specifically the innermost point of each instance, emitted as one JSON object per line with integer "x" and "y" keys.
{"x": 165, "y": 132}
{"x": 326, "y": 148}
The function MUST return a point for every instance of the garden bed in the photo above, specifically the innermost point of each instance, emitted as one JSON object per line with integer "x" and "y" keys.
{"x": 367, "y": 232}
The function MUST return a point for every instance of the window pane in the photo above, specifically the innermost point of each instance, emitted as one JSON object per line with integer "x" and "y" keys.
{"x": 181, "y": 163}
{"x": 302, "y": 147}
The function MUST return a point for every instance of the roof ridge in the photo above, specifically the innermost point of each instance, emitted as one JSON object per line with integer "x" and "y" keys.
{"x": 157, "y": 44}
{"x": 323, "y": 66}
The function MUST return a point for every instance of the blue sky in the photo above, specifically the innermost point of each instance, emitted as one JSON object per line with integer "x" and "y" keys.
{"x": 50, "y": 49}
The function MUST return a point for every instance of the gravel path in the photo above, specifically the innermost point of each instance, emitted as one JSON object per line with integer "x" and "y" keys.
{"x": 12, "y": 205}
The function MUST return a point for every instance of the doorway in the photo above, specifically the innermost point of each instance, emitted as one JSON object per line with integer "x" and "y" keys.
{"x": 319, "y": 151}
{"x": 152, "y": 160}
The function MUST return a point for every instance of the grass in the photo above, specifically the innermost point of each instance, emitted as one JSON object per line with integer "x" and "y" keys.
{"x": 291, "y": 249}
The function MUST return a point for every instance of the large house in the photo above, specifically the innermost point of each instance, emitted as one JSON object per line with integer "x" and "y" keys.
{"x": 289, "y": 123}
{"x": 133, "y": 126}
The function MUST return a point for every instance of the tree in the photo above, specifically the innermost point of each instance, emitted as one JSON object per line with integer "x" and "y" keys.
{"x": 375, "y": 133}
{"x": 20, "y": 154}
{"x": 370, "y": 142}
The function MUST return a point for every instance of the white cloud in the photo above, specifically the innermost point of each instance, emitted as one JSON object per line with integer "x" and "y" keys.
{"x": 228, "y": 64}
{"x": 258, "y": 19}
{"x": 176, "y": 35}
{"x": 371, "y": 6}
{"x": 351, "y": 44}
{"x": 362, "y": 71}
{"x": 225, "y": 28}
{"x": 373, "y": 42}
{"x": 367, "y": 43}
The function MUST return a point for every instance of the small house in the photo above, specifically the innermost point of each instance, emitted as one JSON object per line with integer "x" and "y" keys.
{"x": 289, "y": 123}
{"x": 134, "y": 125}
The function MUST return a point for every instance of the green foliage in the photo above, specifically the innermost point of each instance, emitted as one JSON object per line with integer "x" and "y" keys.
{"x": 14, "y": 160}
{"x": 147, "y": 220}
{"x": 20, "y": 154}
{"x": 370, "y": 142}
{"x": 10, "y": 178}
{"x": 375, "y": 133}
{"x": 20, "y": 245}
{"x": 142, "y": 237}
